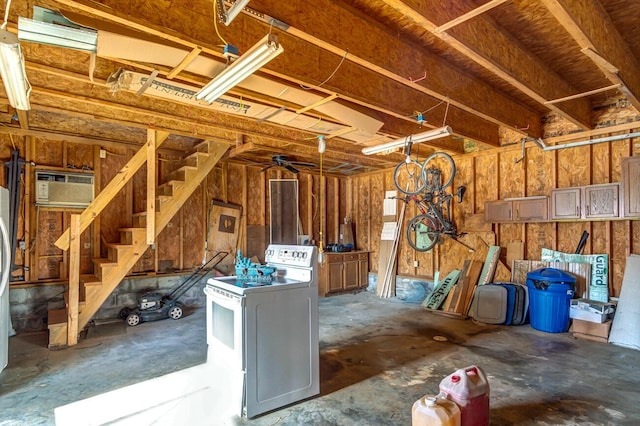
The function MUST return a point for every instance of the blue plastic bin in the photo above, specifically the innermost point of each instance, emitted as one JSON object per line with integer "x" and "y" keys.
{"x": 550, "y": 294}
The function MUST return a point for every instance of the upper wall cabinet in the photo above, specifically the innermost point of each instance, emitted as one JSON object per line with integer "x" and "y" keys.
{"x": 586, "y": 202}
{"x": 631, "y": 186}
{"x": 525, "y": 209}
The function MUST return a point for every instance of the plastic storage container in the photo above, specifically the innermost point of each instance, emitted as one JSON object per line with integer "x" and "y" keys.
{"x": 435, "y": 410}
{"x": 469, "y": 389}
{"x": 550, "y": 294}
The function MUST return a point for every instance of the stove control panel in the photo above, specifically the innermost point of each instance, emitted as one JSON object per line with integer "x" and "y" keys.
{"x": 302, "y": 256}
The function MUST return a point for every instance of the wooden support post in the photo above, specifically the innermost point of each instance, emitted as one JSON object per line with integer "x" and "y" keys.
{"x": 74, "y": 280}
{"x": 151, "y": 186}
{"x": 111, "y": 190}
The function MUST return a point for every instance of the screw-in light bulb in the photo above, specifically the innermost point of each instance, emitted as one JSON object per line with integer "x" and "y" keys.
{"x": 322, "y": 144}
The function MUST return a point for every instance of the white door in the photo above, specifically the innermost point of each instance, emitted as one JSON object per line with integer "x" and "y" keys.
{"x": 5, "y": 265}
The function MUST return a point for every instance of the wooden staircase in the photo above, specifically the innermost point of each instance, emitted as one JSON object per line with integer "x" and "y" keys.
{"x": 65, "y": 324}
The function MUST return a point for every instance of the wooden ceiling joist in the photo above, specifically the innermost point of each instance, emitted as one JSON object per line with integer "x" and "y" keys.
{"x": 467, "y": 93}
{"x": 531, "y": 76}
{"x": 591, "y": 28}
{"x": 396, "y": 99}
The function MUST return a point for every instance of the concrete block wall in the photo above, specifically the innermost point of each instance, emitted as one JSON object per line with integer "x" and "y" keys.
{"x": 29, "y": 305}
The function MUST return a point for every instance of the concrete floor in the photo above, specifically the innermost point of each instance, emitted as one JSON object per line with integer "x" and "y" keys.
{"x": 377, "y": 356}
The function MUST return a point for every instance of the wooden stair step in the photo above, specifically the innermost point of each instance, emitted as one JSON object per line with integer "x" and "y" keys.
{"x": 131, "y": 235}
{"x": 57, "y": 325}
{"x": 114, "y": 249}
{"x": 103, "y": 262}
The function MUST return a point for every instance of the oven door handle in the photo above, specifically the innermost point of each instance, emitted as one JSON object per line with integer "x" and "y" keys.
{"x": 224, "y": 298}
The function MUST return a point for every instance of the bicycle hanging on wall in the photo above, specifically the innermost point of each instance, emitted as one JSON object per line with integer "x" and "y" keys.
{"x": 425, "y": 184}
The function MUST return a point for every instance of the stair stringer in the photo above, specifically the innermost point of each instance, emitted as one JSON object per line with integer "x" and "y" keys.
{"x": 112, "y": 277}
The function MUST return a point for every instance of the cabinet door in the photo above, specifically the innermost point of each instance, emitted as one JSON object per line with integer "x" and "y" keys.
{"x": 566, "y": 203}
{"x": 631, "y": 186}
{"x": 363, "y": 267}
{"x": 498, "y": 211}
{"x": 601, "y": 200}
{"x": 351, "y": 269}
{"x": 533, "y": 209}
{"x": 335, "y": 279}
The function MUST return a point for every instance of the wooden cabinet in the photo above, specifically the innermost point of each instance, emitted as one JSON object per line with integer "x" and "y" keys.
{"x": 343, "y": 272}
{"x": 524, "y": 209}
{"x": 602, "y": 200}
{"x": 566, "y": 203}
{"x": 586, "y": 202}
{"x": 631, "y": 186}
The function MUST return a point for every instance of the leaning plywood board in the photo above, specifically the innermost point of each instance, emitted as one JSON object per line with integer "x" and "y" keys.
{"x": 582, "y": 272}
{"x": 440, "y": 293}
{"x": 625, "y": 330}
{"x": 470, "y": 282}
{"x": 598, "y": 284}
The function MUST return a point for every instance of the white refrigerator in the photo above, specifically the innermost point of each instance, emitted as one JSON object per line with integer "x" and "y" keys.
{"x": 6, "y": 328}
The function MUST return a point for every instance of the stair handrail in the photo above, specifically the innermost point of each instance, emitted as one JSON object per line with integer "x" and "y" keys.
{"x": 112, "y": 189}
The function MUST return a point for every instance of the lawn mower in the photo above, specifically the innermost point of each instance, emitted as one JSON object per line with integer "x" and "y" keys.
{"x": 155, "y": 306}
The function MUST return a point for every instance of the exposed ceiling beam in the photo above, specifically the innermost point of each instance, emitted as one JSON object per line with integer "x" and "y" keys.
{"x": 590, "y": 26}
{"x": 379, "y": 93}
{"x": 394, "y": 59}
{"x": 469, "y": 15}
{"x": 530, "y": 75}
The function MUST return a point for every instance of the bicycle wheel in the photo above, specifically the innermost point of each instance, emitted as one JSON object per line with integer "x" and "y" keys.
{"x": 408, "y": 177}
{"x": 422, "y": 233}
{"x": 438, "y": 171}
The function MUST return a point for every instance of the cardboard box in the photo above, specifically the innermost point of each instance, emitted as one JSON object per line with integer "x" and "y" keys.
{"x": 591, "y": 330}
{"x": 591, "y": 310}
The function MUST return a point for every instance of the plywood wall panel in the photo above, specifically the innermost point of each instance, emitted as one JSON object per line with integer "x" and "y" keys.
{"x": 139, "y": 183}
{"x": 486, "y": 179}
{"x": 194, "y": 229}
{"x": 332, "y": 219}
{"x": 508, "y": 232}
{"x": 361, "y": 224}
{"x": 304, "y": 206}
{"x": 618, "y": 255}
{"x": 49, "y": 153}
{"x": 511, "y": 176}
{"x": 235, "y": 180}
{"x": 601, "y": 166}
{"x": 114, "y": 216}
{"x": 569, "y": 234}
{"x": 377, "y": 200}
{"x": 168, "y": 245}
{"x": 215, "y": 185}
{"x": 540, "y": 175}
{"x": 574, "y": 166}
{"x": 538, "y": 236}
{"x": 464, "y": 177}
{"x": 79, "y": 156}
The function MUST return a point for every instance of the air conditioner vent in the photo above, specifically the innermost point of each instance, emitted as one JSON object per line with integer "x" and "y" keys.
{"x": 63, "y": 189}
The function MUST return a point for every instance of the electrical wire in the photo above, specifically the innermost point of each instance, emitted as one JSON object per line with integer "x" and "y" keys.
{"x": 215, "y": 22}
{"x": 346, "y": 52}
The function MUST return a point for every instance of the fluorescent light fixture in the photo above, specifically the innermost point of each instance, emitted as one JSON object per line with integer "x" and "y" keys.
{"x": 440, "y": 132}
{"x": 226, "y": 16}
{"x": 12, "y": 71}
{"x": 57, "y": 35}
{"x": 261, "y": 53}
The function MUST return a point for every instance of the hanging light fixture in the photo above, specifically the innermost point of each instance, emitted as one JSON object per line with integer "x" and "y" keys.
{"x": 256, "y": 57}
{"x": 12, "y": 71}
{"x": 226, "y": 16}
{"x": 440, "y": 132}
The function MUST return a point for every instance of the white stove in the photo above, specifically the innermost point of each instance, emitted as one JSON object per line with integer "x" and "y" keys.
{"x": 263, "y": 336}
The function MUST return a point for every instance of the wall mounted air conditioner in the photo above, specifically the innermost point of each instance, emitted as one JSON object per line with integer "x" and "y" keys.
{"x": 63, "y": 189}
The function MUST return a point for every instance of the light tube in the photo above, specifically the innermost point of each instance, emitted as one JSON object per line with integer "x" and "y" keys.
{"x": 261, "y": 53}
{"x": 12, "y": 71}
{"x": 57, "y": 35}
{"x": 235, "y": 10}
{"x": 398, "y": 143}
